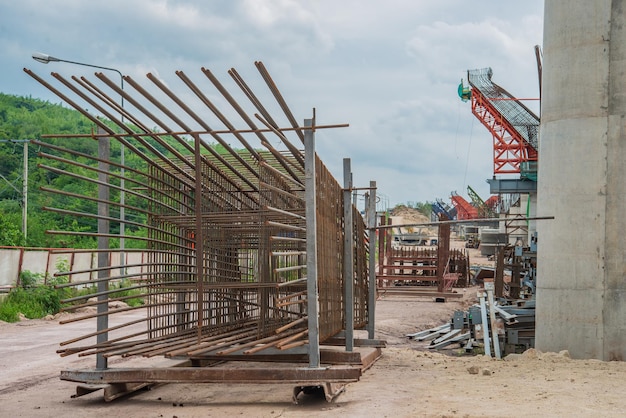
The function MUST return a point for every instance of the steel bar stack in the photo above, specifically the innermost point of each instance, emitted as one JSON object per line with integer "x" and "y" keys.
{"x": 226, "y": 227}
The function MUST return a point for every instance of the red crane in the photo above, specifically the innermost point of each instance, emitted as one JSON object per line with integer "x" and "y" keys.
{"x": 464, "y": 209}
{"x": 513, "y": 126}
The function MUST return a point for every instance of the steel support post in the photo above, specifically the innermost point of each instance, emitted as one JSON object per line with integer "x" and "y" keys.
{"x": 104, "y": 153}
{"x": 199, "y": 236}
{"x": 485, "y": 324}
{"x": 311, "y": 245}
{"x": 492, "y": 316}
{"x": 499, "y": 273}
{"x": 371, "y": 223}
{"x": 443, "y": 254}
{"x": 382, "y": 247}
{"x": 348, "y": 255}
{"x": 122, "y": 188}
{"x": 25, "y": 194}
{"x": 122, "y": 212}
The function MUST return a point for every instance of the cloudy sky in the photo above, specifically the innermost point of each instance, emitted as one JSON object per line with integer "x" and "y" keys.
{"x": 388, "y": 68}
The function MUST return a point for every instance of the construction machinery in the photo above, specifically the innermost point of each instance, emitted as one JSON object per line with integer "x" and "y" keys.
{"x": 484, "y": 210}
{"x": 472, "y": 242}
{"x": 464, "y": 209}
{"x": 513, "y": 126}
{"x": 515, "y": 133}
{"x": 442, "y": 211}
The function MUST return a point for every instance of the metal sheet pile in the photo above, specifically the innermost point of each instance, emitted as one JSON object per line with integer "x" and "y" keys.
{"x": 226, "y": 225}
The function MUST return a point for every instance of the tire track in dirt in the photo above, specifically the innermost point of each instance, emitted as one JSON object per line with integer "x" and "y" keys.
{"x": 28, "y": 382}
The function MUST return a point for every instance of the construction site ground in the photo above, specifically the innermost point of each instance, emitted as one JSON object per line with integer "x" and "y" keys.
{"x": 409, "y": 380}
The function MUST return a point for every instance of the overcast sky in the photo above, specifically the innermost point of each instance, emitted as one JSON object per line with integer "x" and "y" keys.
{"x": 388, "y": 68}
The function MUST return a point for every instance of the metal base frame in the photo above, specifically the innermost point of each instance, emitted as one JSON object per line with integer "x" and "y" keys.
{"x": 332, "y": 378}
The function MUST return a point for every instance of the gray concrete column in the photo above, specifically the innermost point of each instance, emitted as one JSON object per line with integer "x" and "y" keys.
{"x": 582, "y": 168}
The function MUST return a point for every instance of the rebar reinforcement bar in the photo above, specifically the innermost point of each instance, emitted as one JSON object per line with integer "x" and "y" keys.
{"x": 223, "y": 208}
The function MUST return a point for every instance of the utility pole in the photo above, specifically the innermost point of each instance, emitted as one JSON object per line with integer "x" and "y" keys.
{"x": 24, "y": 184}
{"x": 25, "y": 194}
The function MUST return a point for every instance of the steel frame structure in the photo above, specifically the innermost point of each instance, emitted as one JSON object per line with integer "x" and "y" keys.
{"x": 247, "y": 257}
{"x": 484, "y": 209}
{"x": 412, "y": 269}
{"x": 513, "y": 126}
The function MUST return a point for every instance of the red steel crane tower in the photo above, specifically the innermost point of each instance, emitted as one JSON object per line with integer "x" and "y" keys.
{"x": 513, "y": 126}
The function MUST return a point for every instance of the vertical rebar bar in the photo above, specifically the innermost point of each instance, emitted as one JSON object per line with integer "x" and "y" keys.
{"x": 199, "y": 235}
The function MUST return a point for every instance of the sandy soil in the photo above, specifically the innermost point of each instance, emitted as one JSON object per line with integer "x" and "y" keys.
{"x": 409, "y": 380}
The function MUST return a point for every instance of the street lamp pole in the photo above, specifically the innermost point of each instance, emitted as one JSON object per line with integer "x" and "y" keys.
{"x": 45, "y": 59}
{"x": 103, "y": 209}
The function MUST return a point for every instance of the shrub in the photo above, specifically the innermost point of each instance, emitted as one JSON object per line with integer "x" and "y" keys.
{"x": 32, "y": 302}
{"x": 9, "y": 312}
{"x": 29, "y": 279}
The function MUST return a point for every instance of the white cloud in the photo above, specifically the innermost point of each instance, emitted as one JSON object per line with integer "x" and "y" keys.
{"x": 390, "y": 69}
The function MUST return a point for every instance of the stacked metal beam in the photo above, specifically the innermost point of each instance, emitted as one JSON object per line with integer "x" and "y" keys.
{"x": 497, "y": 327}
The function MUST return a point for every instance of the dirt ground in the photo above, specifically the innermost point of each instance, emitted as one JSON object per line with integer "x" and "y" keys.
{"x": 409, "y": 380}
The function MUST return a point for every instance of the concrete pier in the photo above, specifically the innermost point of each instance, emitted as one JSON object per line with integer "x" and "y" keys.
{"x": 581, "y": 295}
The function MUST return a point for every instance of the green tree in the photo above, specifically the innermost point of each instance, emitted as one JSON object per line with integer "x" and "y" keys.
{"x": 10, "y": 231}
{"x": 24, "y": 118}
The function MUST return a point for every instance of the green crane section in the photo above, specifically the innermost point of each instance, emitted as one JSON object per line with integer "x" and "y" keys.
{"x": 484, "y": 210}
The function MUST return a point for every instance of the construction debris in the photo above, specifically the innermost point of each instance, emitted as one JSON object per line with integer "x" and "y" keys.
{"x": 497, "y": 327}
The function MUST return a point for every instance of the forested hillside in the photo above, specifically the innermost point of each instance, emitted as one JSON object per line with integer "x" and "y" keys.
{"x": 25, "y": 118}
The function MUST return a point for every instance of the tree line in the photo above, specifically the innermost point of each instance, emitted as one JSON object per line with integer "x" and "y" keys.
{"x": 27, "y": 118}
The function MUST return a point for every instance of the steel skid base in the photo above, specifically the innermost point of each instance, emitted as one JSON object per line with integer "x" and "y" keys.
{"x": 111, "y": 391}
{"x": 119, "y": 382}
{"x": 331, "y": 390}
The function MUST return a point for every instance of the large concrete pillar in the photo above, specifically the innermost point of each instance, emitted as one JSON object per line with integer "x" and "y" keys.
{"x": 581, "y": 303}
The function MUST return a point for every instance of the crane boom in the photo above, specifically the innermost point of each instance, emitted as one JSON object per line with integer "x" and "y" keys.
{"x": 514, "y": 127}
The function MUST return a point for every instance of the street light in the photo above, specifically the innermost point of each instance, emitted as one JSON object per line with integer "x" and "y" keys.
{"x": 45, "y": 59}
{"x": 102, "y": 324}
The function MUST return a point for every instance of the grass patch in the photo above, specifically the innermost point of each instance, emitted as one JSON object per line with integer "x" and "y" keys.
{"x": 34, "y": 299}
{"x": 33, "y": 302}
